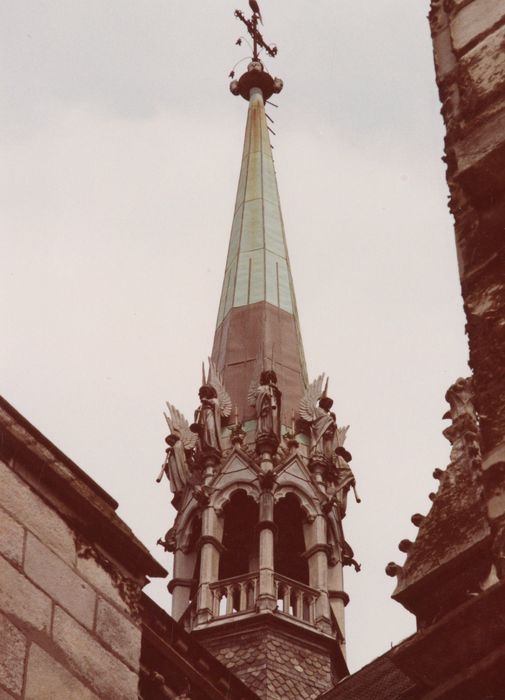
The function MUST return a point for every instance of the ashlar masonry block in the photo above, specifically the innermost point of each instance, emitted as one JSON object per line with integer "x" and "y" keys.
{"x": 474, "y": 20}
{"x": 27, "y": 507}
{"x": 12, "y": 537}
{"x": 20, "y": 599}
{"x": 118, "y": 633}
{"x": 102, "y": 580}
{"x": 51, "y": 574}
{"x": 105, "y": 673}
{"x": 47, "y": 679}
{"x": 485, "y": 64}
{"x": 12, "y": 656}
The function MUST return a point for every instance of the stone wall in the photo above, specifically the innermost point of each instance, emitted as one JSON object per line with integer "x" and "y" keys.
{"x": 66, "y": 629}
{"x": 469, "y": 49}
{"x": 71, "y": 576}
{"x": 469, "y": 40}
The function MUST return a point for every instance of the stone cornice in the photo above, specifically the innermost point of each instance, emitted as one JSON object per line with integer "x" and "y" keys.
{"x": 85, "y": 506}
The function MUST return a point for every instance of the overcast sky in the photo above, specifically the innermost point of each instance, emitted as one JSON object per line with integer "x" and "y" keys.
{"x": 121, "y": 149}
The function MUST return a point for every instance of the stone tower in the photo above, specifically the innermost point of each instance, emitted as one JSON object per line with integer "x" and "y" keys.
{"x": 260, "y": 478}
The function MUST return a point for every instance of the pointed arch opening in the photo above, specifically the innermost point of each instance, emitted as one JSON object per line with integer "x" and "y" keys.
{"x": 240, "y": 550}
{"x": 290, "y": 546}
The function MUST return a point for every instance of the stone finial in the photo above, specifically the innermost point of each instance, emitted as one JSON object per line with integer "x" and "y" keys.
{"x": 438, "y": 473}
{"x": 393, "y": 569}
{"x": 405, "y": 546}
{"x": 432, "y": 496}
{"x": 417, "y": 519}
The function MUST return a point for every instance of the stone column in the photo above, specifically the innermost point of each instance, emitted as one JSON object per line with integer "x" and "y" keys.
{"x": 267, "y": 598}
{"x": 317, "y": 557}
{"x": 338, "y": 598}
{"x": 180, "y": 585}
{"x": 210, "y": 549}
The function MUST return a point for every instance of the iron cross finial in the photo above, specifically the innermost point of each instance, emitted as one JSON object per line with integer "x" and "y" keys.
{"x": 252, "y": 28}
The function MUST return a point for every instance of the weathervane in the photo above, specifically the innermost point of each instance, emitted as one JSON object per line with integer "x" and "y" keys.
{"x": 252, "y": 28}
{"x": 256, "y": 76}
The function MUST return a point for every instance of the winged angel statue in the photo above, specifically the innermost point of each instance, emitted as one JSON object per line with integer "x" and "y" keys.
{"x": 215, "y": 405}
{"x": 181, "y": 443}
{"x": 315, "y": 410}
{"x": 265, "y": 396}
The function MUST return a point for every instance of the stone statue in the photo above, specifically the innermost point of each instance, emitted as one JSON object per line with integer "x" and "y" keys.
{"x": 315, "y": 410}
{"x": 215, "y": 404}
{"x": 265, "y": 396}
{"x": 181, "y": 443}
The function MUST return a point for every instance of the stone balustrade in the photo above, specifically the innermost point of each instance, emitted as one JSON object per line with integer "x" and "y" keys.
{"x": 234, "y": 595}
{"x": 239, "y": 594}
{"x": 296, "y": 599}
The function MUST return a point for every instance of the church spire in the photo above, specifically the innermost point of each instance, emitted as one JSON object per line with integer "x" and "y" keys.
{"x": 261, "y": 491}
{"x": 257, "y": 323}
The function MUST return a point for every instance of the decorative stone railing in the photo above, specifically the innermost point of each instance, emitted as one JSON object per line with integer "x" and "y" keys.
{"x": 296, "y": 599}
{"x": 234, "y": 595}
{"x": 238, "y": 594}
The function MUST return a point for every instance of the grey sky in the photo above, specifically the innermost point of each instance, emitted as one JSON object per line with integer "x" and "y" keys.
{"x": 120, "y": 156}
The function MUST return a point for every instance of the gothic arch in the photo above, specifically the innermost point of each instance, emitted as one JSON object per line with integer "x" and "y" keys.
{"x": 220, "y": 499}
{"x": 306, "y": 501}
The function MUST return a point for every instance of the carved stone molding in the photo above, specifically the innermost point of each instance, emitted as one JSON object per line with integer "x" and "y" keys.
{"x": 341, "y": 595}
{"x": 209, "y": 539}
{"x": 129, "y": 589}
{"x": 186, "y": 582}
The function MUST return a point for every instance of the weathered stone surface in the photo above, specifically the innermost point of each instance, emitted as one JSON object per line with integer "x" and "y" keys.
{"x": 5, "y": 696}
{"x": 21, "y": 599}
{"x": 445, "y": 61}
{"x": 474, "y": 20}
{"x": 474, "y": 152}
{"x": 12, "y": 656}
{"x": 485, "y": 64}
{"x": 11, "y": 538}
{"x": 107, "y": 676}
{"x": 456, "y": 529}
{"x": 27, "y": 507}
{"x": 485, "y": 307}
{"x": 89, "y": 569}
{"x": 118, "y": 633}
{"x": 63, "y": 585}
{"x": 48, "y": 680}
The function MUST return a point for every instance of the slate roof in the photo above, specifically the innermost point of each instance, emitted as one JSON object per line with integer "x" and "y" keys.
{"x": 378, "y": 680}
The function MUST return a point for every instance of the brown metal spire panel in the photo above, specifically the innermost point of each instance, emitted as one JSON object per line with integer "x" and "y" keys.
{"x": 257, "y": 324}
